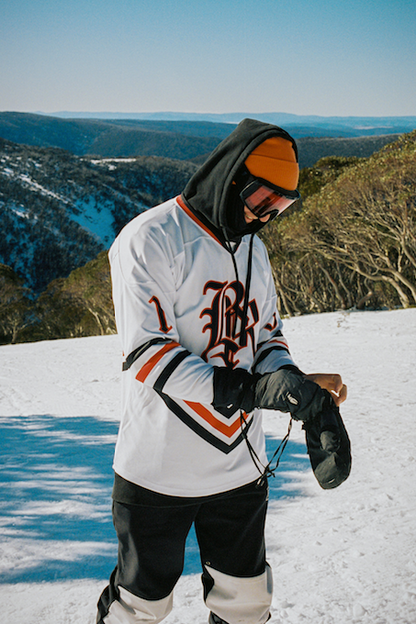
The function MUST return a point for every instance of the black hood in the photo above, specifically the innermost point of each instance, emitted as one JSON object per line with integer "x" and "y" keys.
{"x": 211, "y": 194}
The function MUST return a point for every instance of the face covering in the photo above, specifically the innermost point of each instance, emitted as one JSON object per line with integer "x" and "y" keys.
{"x": 236, "y": 223}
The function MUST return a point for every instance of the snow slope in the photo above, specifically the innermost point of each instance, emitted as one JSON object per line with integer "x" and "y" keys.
{"x": 340, "y": 556}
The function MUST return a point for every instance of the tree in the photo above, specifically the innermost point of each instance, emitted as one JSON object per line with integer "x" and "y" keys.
{"x": 354, "y": 241}
{"x": 16, "y": 306}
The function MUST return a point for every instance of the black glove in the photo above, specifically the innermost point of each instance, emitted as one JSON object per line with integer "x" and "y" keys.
{"x": 286, "y": 390}
{"x": 230, "y": 386}
{"x": 329, "y": 447}
{"x": 330, "y": 434}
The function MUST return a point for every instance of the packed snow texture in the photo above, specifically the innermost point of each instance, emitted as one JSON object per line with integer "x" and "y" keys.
{"x": 345, "y": 555}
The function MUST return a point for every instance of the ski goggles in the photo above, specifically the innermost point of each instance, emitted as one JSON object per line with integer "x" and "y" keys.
{"x": 263, "y": 198}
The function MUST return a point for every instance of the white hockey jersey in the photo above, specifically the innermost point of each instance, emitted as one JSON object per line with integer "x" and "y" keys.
{"x": 178, "y": 299}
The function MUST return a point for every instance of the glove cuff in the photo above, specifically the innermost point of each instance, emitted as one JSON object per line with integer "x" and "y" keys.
{"x": 233, "y": 390}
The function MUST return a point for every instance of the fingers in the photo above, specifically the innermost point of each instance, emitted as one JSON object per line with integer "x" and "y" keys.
{"x": 341, "y": 396}
{"x": 327, "y": 381}
{"x": 331, "y": 382}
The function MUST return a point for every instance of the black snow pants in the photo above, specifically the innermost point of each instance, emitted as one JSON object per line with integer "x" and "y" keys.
{"x": 152, "y": 533}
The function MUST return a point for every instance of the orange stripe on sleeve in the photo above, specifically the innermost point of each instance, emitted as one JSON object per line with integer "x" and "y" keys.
{"x": 150, "y": 364}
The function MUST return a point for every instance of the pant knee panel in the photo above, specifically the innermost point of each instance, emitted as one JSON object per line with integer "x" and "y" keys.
{"x": 240, "y": 600}
{"x": 130, "y": 609}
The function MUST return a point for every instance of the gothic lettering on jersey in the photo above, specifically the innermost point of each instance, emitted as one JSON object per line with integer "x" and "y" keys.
{"x": 226, "y": 320}
{"x": 162, "y": 316}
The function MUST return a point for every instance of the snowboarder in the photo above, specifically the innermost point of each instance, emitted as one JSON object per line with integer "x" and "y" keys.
{"x": 203, "y": 351}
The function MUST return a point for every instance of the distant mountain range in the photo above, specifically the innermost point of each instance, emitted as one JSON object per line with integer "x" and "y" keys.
{"x": 192, "y": 140}
{"x": 298, "y": 125}
{"x": 301, "y": 125}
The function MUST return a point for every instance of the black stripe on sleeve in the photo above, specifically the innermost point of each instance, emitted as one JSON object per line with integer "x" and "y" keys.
{"x": 277, "y": 334}
{"x": 168, "y": 370}
{"x": 134, "y": 355}
{"x": 266, "y": 352}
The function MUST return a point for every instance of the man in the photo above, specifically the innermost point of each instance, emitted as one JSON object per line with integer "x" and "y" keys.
{"x": 203, "y": 349}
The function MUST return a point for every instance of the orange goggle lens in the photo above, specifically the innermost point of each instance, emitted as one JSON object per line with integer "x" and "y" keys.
{"x": 262, "y": 200}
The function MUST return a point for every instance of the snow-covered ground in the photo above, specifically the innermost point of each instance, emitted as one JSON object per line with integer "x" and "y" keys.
{"x": 339, "y": 556}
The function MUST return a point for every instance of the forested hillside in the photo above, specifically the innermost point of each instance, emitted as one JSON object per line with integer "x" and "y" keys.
{"x": 352, "y": 242}
{"x": 58, "y": 211}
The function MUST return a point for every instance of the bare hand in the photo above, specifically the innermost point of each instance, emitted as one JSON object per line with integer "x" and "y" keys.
{"x": 332, "y": 383}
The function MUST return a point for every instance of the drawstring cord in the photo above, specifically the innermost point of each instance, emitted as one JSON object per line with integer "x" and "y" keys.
{"x": 231, "y": 251}
{"x": 244, "y": 321}
{"x": 265, "y": 471}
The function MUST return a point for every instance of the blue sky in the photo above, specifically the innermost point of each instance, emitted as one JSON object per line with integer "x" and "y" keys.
{"x": 338, "y": 57}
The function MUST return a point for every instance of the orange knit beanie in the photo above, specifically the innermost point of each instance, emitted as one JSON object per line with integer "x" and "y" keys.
{"x": 275, "y": 160}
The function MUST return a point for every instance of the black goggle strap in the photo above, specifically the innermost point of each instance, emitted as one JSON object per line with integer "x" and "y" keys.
{"x": 272, "y": 188}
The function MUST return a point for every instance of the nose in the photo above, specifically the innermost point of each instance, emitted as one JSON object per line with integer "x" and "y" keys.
{"x": 249, "y": 216}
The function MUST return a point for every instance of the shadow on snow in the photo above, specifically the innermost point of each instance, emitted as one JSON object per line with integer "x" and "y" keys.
{"x": 55, "y": 498}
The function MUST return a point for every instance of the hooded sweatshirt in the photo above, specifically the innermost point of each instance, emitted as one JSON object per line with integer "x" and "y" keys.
{"x": 212, "y": 193}
{"x": 183, "y": 309}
